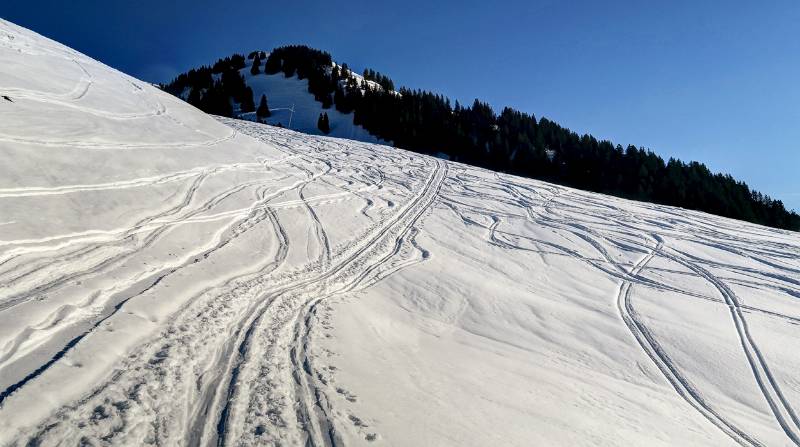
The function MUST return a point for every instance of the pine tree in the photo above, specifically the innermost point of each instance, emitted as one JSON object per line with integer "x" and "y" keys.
{"x": 256, "y": 68}
{"x": 323, "y": 124}
{"x": 263, "y": 109}
{"x": 273, "y": 64}
{"x": 215, "y": 101}
{"x": 247, "y": 104}
{"x": 340, "y": 100}
{"x": 512, "y": 141}
{"x": 194, "y": 97}
{"x": 237, "y": 62}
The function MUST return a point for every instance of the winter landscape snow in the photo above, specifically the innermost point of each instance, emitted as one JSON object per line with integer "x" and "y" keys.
{"x": 172, "y": 278}
{"x": 292, "y": 106}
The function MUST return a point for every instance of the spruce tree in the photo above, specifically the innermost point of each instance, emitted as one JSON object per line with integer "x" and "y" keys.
{"x": 256, "y": 68}
{"x": 194, "y": 97}
{"x": 323, "y": 124}
{"x": 263, "y": 109}
{"x": 512, "y": 141}
{"x": 327, "y": 101}
{"x": 237, "y": 62}
{"x": 247, "y": 105}
{"x": 273, "y": 64}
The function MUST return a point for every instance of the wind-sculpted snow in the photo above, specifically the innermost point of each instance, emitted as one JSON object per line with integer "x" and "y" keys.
{"x": 168, "y": 278}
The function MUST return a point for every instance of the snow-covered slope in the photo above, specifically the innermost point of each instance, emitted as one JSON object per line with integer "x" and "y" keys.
{"x": 168, "y": 278}
{"x": 292, "y": 106}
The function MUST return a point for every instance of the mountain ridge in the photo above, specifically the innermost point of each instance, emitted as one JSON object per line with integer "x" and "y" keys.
{"x": 512, "y": 141}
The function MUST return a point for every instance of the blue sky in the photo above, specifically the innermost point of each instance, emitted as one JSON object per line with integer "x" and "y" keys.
{"x": 713, "y": 81}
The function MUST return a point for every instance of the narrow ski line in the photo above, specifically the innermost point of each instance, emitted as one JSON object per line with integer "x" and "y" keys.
{"x": 196, "y": 431}
{"x": 173, "y": 335}
{"x": 116, "y": 308}
{"x": 321, "y": 428}
{"x": 128, "y": 235}
{"x": 319, "y": 230}
{"x": 320, "y": 283}
{"x": 169, "y": 177}
{"x": 784, "y": 414}
{"x": 314, "y": 410}
{"x": 109, "y": 145}
{"x": 77, "y": 92}
{"x": 324, "y": 258}
{"x": 233, "y": 231}
{"x": 746, "y": 340}
{"x": 747, "y": 343}
{"x": 645, "y": 339}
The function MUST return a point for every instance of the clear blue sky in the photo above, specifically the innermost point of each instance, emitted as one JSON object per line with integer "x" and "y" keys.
{"x": 713, "y": 81}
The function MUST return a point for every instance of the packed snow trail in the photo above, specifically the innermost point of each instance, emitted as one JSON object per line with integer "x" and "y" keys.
{"x": 171, "y": 278}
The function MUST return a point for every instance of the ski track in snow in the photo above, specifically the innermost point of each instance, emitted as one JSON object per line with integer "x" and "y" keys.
{"x": 194, "y": 310}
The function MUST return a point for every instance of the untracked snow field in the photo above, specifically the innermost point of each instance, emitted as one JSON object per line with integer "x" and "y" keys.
{"x": 171, "y": 278}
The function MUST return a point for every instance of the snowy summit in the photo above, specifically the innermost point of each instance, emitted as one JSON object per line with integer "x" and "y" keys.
{"x": 172, "y": 278}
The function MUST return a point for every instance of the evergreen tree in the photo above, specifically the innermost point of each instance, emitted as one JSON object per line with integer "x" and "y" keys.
{"x": 216, "y": 102}
{"x": 263, "y": 109}
{"x": 273, "y": 64}
{"x": 194, "y": 97}
{"x": 237, "y": 62}
{"x": 247, "y": 104}
{"x": 510, "y": 141}
{"x": 323, "y": 124}
{"x": 256, "y": 68}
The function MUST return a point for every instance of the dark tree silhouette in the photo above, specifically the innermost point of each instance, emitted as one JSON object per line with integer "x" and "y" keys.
{"x": 256, "y": 68}
{"x": 510, "y": 141}
{"x": 263, "y": 109}
{"x": 323, "y": 124}
{"x": 247, "y": 104}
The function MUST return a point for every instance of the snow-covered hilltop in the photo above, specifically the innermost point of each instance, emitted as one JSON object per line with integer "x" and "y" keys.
{"x": 293, "y": 107}
{"x": 170, "y": 278}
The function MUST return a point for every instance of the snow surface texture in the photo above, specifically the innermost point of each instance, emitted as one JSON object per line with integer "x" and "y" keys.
{"x": 169, "y": 279}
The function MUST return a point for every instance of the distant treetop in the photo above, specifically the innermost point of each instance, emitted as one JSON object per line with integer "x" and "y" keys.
{"x": 512, "y": 141}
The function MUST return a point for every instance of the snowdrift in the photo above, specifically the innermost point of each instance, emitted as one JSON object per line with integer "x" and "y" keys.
{"x": 171, "y": 278}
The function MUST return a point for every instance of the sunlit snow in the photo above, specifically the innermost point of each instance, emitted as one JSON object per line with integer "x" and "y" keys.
{"x": 171, "y": 278}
